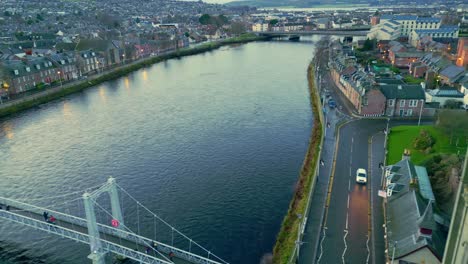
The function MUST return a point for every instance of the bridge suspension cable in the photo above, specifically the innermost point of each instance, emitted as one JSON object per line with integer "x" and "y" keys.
{"x": 209, "y": 253}
{"x": 129, "y": 230}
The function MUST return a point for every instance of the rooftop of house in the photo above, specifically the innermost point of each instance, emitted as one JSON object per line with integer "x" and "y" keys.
{"x": 442, "y": 29}
{"x": 402, "y": 91}
{"x": 398, "y": 17}
{"x": 408, "y": 210}
{"x": 451, "y": 93}
{"x": 413, "y": 54}
{"x": 452, "y": 71}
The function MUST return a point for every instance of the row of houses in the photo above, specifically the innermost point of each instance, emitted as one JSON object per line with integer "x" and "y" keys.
{"x": 373, "y": 96}
{"x": 24, "y": 69}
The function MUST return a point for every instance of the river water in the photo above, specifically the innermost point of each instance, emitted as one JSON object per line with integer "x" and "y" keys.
{"x": 212, "y": 143}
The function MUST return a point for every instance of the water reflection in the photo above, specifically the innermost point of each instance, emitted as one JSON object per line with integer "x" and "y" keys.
{"x": 7, "y": 130}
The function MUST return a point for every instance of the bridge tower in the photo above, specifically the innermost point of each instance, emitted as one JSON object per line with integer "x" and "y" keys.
{"x": 97, "y": 252}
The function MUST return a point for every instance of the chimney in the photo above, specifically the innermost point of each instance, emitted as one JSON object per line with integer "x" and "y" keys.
{"x": 406, "y": 154}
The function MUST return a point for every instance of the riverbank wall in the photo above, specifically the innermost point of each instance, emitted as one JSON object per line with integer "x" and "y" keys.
{"x": 41, "y": 97}
{"x": 292, "y": 228}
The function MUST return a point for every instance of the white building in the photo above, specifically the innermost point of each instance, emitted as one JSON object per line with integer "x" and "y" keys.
{"x": 441, "y": 32}
{"x": 407, "y": 25}
{"x": 259, "y": 27}
{"x": 388, "y": 30}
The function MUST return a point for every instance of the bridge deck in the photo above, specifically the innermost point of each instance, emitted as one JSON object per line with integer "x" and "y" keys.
{"x": 107, "y": 237}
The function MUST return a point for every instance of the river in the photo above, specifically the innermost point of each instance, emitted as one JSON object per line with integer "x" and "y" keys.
{"x": 212, "y": 143}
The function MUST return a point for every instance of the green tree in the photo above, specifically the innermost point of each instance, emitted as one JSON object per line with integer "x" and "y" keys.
{"x": 273, "y": 22}
{"x": 369, "y": 44}
{"x": 6, "y": 13}
{"x": 137, "y": 20}
{"x": 452, "y": 104}
{"x": 223, "y": 20}
{"x": 39, "y": 17}
{"x": 237, "y": 28}
{"x": 455, "y": 124}
{"x": 205, "y": 19}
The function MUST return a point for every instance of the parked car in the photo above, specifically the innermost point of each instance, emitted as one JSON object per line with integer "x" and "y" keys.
{"x": 331, "y": 103}
{"x": 361, "y": 176}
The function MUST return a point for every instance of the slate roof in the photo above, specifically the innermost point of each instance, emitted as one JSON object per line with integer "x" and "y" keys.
{"x": 407, "y": 91}
{"x": 399, "y": 17}
{"x": 428, "y": 20}
{"x": 452, "y": 71}
{"x": 452, "y": 93}
{"x": 445, "y": 29}
{"x": 406, "y": 211}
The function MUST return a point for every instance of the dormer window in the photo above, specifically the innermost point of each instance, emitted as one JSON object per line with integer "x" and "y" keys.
{"x": 92, "y": 53}
{"x": 38, "y": 66}
{"x": 62, "y": 62}
{"x": 45, "y": 64}
{"x": 28, "y": 69}
{"x": 85, "y": 55}
{"x": 16, "y": 72}
{"x": 50, "y": 63}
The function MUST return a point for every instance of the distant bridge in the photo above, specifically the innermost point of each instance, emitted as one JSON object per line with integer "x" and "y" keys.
{"x": 111, "y": 236}
{"x": 313, "y": 32}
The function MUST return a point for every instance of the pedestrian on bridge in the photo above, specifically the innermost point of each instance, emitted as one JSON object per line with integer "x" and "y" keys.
{"x": 171, "y": 256}
{"x": 46, "y": 216}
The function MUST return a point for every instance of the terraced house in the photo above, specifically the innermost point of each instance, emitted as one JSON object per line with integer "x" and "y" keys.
{"x": 28, "y": 73}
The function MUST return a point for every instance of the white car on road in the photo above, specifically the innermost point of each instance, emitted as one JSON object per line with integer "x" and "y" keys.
{"x": 361, "y": 176}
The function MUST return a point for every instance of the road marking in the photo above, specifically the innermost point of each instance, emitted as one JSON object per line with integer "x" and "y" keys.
{"x": 349, "y": 185}
{"x": 346, "y": 246}
{"x": 321, "y": 245}
{"x": 368, "y": 250}
{"x": 348, "y": 201}
{"x": 347, "y": 217}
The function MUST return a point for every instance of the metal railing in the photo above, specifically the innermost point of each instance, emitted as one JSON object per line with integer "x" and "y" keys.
{"x": 183, "y": 254}
{"x": 80, "y": 237}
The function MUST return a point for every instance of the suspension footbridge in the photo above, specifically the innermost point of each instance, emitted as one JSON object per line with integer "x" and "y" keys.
{"x": 110, "y": 234}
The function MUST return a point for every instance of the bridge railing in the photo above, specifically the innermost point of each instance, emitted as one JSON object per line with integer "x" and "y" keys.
{"x": 80, "y": 237}
{"x": 183, "y": 254}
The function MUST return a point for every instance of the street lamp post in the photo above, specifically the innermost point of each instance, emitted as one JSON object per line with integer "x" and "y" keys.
{"x": 60, "y": 78}
{"x": 393, "y": 254}
{"x": 420, "y": 112}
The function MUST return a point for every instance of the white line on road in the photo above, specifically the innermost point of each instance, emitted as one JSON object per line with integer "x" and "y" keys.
{"x": 346, "y": 246}
{"x": 368, "y": 250}
{"x": 347, "y": 216}
{"x": 349, "y": 185}
{"x": 348, "y": 201}
{"x": 321, "y": 245}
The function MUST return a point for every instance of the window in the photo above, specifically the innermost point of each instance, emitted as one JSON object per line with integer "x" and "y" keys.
{"x": 391, "y": 102}
{"x": 402, "y": 103}
{"x": 413, "y": 103}
{"x": 409, "y": 112}
{"x": 28, "y": 69}
{"x": 50, "y": 63}
{"x": 38, "y": 66}
{"x": 16, "y": 72}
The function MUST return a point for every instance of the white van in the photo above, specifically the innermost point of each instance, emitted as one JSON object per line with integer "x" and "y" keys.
{"x": 361, "y": 176}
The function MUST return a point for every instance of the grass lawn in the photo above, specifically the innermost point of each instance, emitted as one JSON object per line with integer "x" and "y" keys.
{"x": 402, "y": 137}
{"x": 412, "y": 80}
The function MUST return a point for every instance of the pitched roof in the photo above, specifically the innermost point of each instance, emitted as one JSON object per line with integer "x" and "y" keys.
{"x": 452, "y": 71}
{"x": 404, "y": 91}
{"x": 406, "y": 213}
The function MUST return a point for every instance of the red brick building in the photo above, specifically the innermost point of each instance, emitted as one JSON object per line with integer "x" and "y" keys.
{"x": 403, "y": 100}
{"x": 462, "y": 52}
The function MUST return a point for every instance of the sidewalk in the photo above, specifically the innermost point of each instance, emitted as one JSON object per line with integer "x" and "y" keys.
{"x": 309, "y": 250}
